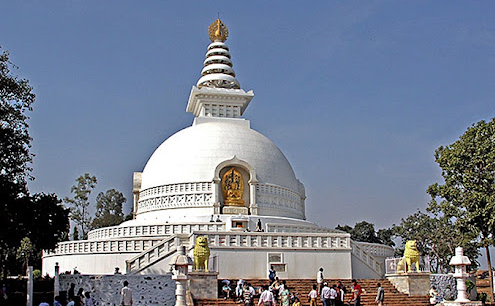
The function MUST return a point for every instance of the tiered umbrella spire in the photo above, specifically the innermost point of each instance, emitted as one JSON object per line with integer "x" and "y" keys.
{"x": 217, "y": 71}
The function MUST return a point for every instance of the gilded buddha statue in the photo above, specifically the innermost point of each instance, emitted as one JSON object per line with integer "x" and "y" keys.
{"x": 233, "y": 188}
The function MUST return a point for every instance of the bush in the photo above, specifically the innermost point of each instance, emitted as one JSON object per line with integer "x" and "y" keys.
{"x": 37, "y": 274}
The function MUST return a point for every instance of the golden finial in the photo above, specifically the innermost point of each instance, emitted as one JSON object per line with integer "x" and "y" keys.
{"x": 218, "y": 31}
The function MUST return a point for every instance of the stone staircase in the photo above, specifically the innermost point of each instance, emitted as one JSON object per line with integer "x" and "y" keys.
{"x": 303, "y": 286}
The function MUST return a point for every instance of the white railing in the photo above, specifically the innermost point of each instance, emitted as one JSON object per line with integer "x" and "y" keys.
{"x": 398, "y": 265}
{"x": 159, "y": 251}
{"x": 275, "y": 240}
{"x": 375, "y": 249}
{"x": 367, "y": 258}
{"x": 295, "y": 228}
{"x": 154, "y": 230}
{"x": 168, "y": 246}
{"x": 198, "y": 194}
{"x": 107, "y": 246}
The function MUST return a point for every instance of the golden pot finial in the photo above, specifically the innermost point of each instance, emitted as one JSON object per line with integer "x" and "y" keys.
{"x": 218, "y": 31}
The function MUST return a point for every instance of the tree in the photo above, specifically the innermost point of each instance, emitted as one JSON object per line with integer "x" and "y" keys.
{"x": 79, "y": 211}
{"x": 365, "y": 232}
{"x": 468, "y": 192}
{"x": 18, "y": 208}
{"x": 16, "y": 98}
{"x": 109, "y": 208}
{"x": 75, "y": 234}
{"x": 436, "y": 237}
{"x": 25, "y": 251}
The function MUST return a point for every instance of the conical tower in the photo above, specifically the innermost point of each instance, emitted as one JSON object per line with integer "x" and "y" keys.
{"x": 218, "y": 93}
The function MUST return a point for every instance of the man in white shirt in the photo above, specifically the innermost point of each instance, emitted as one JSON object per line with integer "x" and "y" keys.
{"x": 325, "y": 295}
{"x": 333, "y": 295}
{"x": 126, "y": 295}
{"x": 266, "y": 298}
{"x": 312, "y": 296}
{"x": 319, "y": 279}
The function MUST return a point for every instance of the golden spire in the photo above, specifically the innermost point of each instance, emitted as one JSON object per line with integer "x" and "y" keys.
{"x": 218, "y": 31}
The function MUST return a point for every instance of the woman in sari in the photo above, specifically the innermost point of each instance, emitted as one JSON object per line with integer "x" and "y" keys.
{"x": 284, "y": 296}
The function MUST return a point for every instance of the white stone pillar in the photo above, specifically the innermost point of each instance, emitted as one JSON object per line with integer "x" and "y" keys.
{"x": 29, "y": 301}
{"x": 56, "y": 282}
{"x": 252, "y": 198}
{"x": 215, "y": 190}
{"x": 180, "y": 293}
{"x": 459, "y": 261}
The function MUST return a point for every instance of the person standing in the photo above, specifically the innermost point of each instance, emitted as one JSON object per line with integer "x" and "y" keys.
{"x": 239, "y": 289}
{"x": 284, "y": 295}
{"x": 312, "y": 296}
{"x": 56, "y": 301}
{"x": 320, "y": 279}
{"x": 333, "y": 295}
{"x": 380, "y": 295}
{"x": 88, "y": 300}
{"x": 339, "y": 301}
{"x": 266, "y": 297}
{"x": 356, "y": 293}
{"x": 126, "y": 294}
{"x": 79, "y": 298}
{"x": 325, "y": 295}
{"x": 272, "y": 274}
{"x": 70, "y": 302}
{"x": 247, "y": 295}
{"x": 70, "y": 293}
{"x": 342, "y": 291}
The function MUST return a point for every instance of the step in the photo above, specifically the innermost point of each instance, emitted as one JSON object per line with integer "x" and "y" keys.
{"x": 303, "y": 286}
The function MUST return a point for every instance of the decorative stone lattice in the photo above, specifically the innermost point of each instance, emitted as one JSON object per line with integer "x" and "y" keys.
{"x": 271, "y": 196}
{"x": 176, "y": 195}
{"x": 105, "y": 289}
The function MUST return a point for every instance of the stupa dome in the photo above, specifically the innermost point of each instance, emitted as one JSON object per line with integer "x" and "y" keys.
{"x": 193, "y": 154}
{"x": 187, "y": 175}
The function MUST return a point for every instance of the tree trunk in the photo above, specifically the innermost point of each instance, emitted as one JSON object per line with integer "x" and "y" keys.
{"x": 490, "y": 272}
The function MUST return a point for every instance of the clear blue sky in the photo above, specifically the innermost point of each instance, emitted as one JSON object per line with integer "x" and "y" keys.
{"x": 357, "y": 94}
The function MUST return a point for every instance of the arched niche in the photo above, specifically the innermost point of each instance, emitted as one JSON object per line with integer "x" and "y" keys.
{"x": 248, "y": 176}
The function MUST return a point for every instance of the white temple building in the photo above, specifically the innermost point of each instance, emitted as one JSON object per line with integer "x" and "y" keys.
{"x": 222, "y": 179}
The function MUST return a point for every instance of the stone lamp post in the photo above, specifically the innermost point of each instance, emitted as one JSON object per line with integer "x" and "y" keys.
{"x": 459, "y": 261}
{"x": 180, "y": 265}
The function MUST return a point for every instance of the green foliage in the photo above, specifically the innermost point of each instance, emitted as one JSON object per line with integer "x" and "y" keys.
{"x": 365, "y": 232}
{"x": 37, "y": 274}
{"x": 437, "y": 238}
{"x": 109, "y": 207}
{"x": 130, "y": 216}
{"x": 25, "y": 251}
{"x": 75, "y": 234}
{"x": 468, "y": 169}
{"x": 16, "y": 98}
{"x": 19, "y": 210}
{"x": 80, "y": 202}
{"x": 468, "y": 193}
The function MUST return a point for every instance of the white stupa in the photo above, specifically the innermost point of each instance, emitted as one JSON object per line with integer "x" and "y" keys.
{"x": 222, "y": 179}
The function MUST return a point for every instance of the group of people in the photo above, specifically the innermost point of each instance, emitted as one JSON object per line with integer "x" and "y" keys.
{"x": 335, "y": 295}
{"x": 82, "y": 298}
{"x": 244, "y": 292}
{"x": 330, "y": 295}
{"x": 278, "y": 294}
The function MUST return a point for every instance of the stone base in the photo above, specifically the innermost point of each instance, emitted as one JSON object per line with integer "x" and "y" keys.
{"x": 203, "y": 285}
{"x": 412, "y": 283}
{"x": 453, "y": 303}
{"x": 234, "y": 210}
